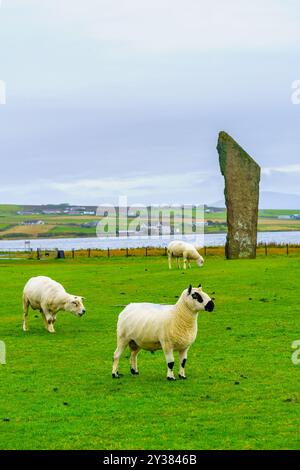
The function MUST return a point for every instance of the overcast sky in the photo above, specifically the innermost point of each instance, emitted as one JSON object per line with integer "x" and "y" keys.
{"x": 127, "y": 97}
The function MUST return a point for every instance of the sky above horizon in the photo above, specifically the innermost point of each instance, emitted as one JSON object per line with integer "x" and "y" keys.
{"x": 108, "y": 98}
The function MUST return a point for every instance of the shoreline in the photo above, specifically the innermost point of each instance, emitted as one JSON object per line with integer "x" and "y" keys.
{"x": 199, "y": 240}
{"x": 71, "y": 236}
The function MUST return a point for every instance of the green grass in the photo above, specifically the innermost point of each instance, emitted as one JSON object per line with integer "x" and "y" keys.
{"x": 70, "y": 231}
{"x": 4, "y": 226}
{"x": 242, "y": 390}
{"x": 276, "y": 212}
{"x": 9, "y": 209}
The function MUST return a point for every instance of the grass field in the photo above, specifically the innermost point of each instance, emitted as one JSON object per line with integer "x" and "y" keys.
{"x": 242, "y": 392}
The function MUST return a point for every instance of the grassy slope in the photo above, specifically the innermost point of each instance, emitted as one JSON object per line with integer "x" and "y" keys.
{"x": 244, "y": 341}
{"x": 71, "y": 226}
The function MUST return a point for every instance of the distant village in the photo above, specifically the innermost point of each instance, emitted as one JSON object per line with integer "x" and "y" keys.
{"x": 68, "y": 210}
{"x": 289, "y": 217}
{"x": 63, "y": 209}
{"x": 42, "y": 216}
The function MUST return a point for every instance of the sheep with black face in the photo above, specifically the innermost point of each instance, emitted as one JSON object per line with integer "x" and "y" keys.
{"x": 167, "y": 327}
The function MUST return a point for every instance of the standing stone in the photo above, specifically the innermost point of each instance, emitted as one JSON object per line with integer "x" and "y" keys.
{"x": 242, "y": 176}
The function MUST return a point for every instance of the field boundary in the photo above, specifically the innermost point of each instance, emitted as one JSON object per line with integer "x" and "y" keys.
{"x": 261, "y": 250}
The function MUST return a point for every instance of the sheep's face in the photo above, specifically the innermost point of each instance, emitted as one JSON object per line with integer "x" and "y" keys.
{"x": 75, "y": 305}
{"x": 200, "y": 261}
{"x": 198, "y": 300}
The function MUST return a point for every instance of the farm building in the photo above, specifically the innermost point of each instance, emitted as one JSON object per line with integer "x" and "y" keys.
{"x": 33, "y": 222}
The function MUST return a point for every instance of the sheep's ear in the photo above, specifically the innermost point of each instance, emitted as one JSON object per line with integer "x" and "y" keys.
{"x": 190, "y": 289}
{"x": 82, "y": 298}
{"x": 200, "y": 286}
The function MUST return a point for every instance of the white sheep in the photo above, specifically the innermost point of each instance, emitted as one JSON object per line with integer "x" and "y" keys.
{"x": 49, "y": 297}
{"x": 167, "y": 327}
{"x": 179, "y": 248}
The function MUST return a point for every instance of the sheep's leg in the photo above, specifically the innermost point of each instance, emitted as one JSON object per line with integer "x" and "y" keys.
{"x": 182, "y": 359}
{"x": 51, "y": 326}
{"x": 44, "y": 320}
{"x": 118, "y": 352}
{"x": 53, "y": 321}
{"x": 48, "y": 321}
{"x": 184, "y": 262}
{"x": 170, "y": 361}
{"x": 133, "y": 361}
{"x": 189, "y": 263}
{"x": 25, "y": 309}
{"x": 178, "y": 262}
{"x": 170, "y": 260}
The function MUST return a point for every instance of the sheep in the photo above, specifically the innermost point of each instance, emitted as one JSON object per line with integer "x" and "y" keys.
{"x": 49, "y": 297}
{"x": 167, "y": 327}
{"x": 178, "y": 248}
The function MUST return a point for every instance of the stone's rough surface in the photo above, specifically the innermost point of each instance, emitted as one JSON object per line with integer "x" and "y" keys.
{"x": 242, "y": 176}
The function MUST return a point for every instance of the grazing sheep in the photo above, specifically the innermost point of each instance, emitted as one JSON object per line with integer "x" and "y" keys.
{"x": 178, "y": 248}
{"x": 167, "y": 327}
{"x": 49, "y": 297}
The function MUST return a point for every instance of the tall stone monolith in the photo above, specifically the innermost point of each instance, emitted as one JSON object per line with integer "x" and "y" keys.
{"x": 242, "y": 176}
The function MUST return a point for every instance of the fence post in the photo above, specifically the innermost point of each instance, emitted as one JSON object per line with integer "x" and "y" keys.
{"x": 146, "y": 251}
{"x": 73, "y": 253}
{"x": 165, "y": 251}
{"x": 89, "y": 253}
{"x": 287, "y": 249}
{"x": 205, "y": 251}
{"x": 108, "y": 253}
{"x": 266, "y": 249}
{"x": 38, "y": 255}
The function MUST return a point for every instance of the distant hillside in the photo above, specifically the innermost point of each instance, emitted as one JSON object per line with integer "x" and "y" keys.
{"x": 66, "y": 221}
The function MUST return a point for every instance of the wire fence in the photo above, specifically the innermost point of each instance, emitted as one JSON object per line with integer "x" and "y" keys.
{"x": 263, "y": 249}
